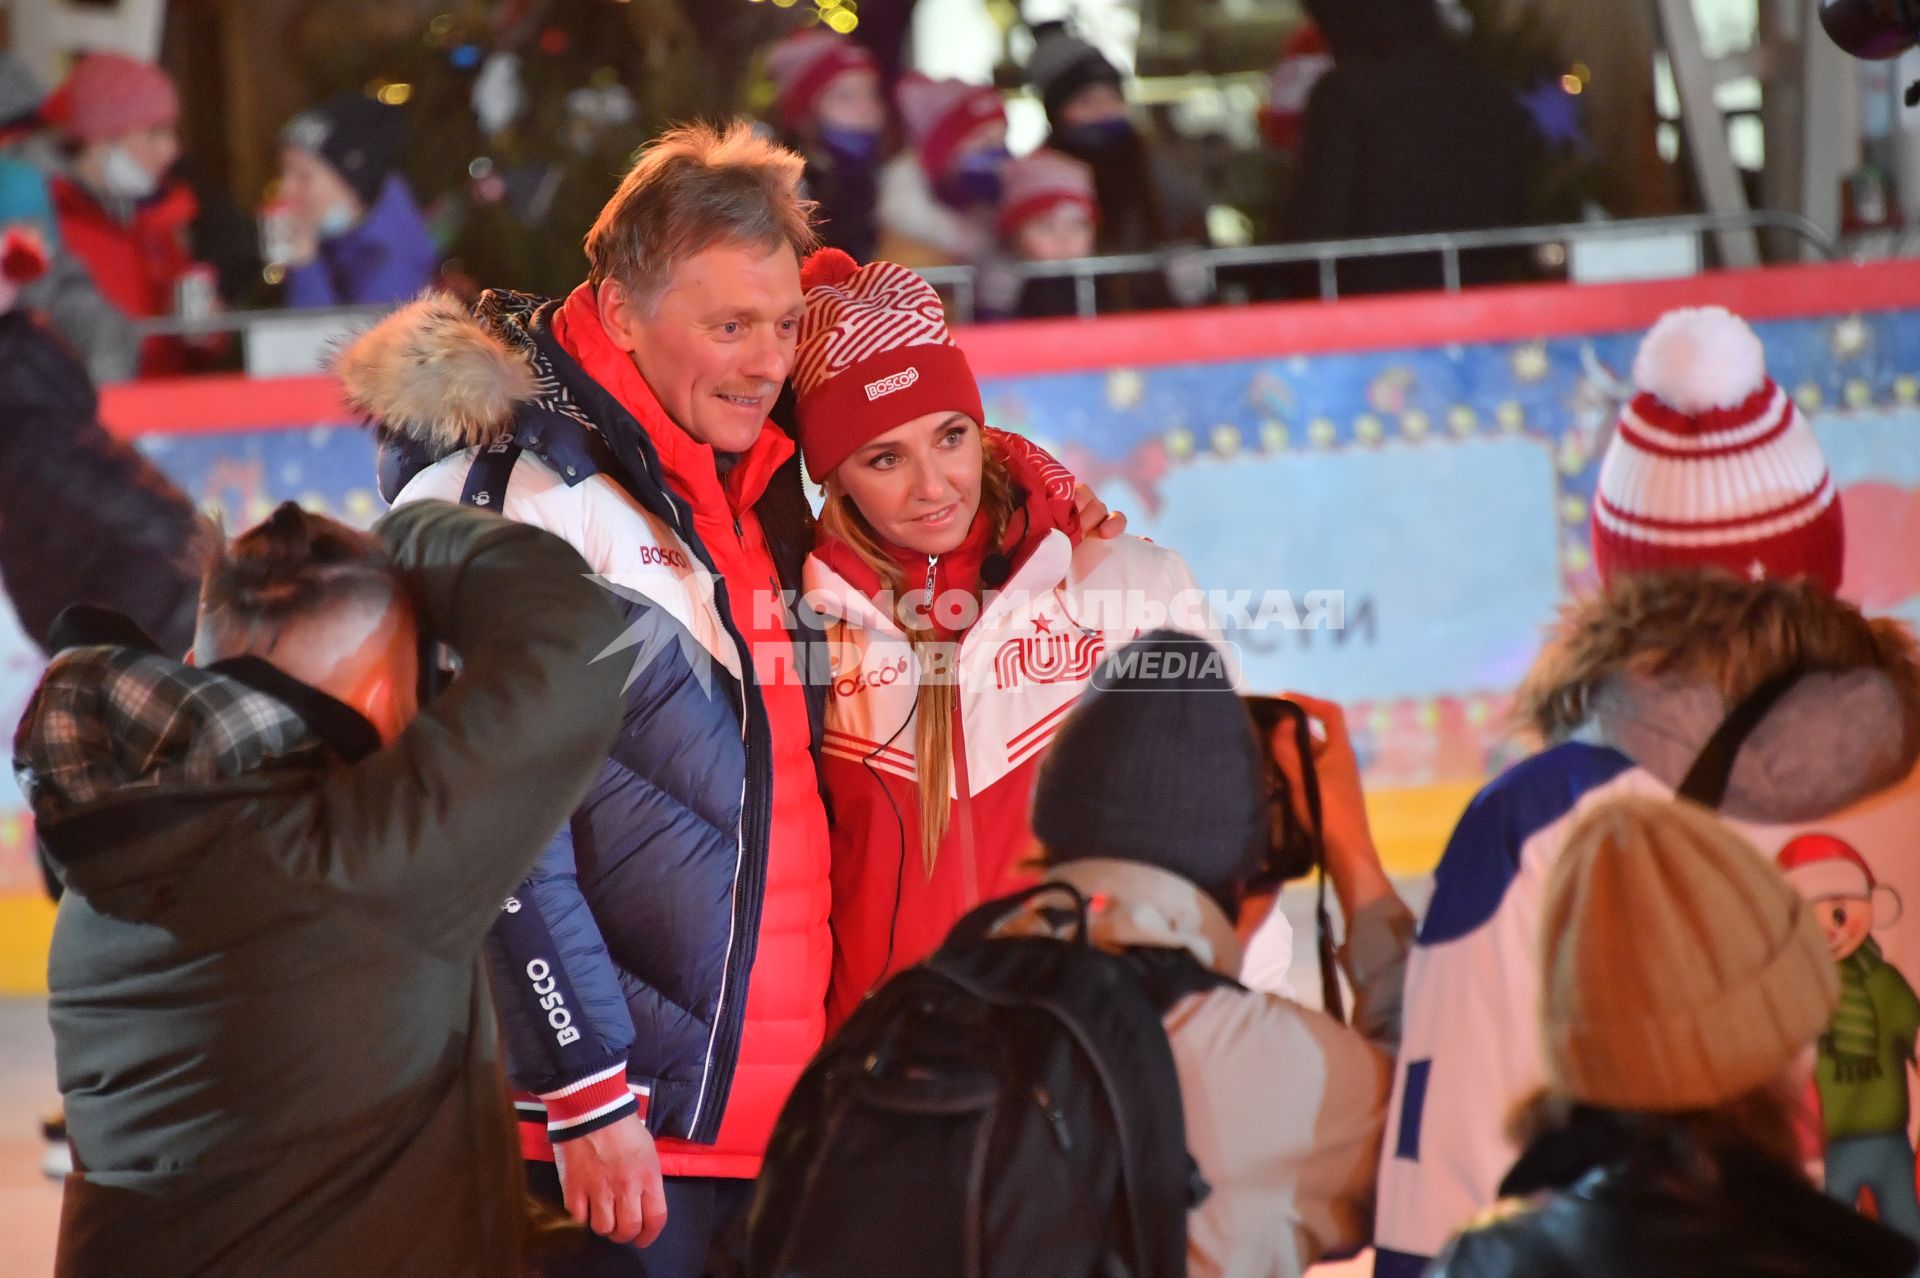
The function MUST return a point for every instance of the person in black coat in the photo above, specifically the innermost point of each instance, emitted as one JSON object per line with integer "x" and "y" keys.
{"x": 84, "y": 517}
{"x": 1147, "y": 202}
{"x": 1405, "y": 135}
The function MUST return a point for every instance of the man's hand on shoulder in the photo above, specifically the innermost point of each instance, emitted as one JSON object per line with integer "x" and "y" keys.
{"x": 1095, "y": 519}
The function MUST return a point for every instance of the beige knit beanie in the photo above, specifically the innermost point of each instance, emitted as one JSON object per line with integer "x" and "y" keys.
{"x": 1678, "y": 968}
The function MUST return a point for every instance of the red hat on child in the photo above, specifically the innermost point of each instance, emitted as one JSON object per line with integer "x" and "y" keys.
{"x": 874, "y": 352}
{"x": 805, "y": 63}
{"x": 1713, "y": 464}
{"x": 940, "y": 115}
{"x": 107, "y": 95}
{"x": 1306, "y": 57}
{"x": 1037, "y": 184}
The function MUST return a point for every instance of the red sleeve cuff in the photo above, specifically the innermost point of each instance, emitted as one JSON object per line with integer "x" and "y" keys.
{"x": 589, "y": 1104}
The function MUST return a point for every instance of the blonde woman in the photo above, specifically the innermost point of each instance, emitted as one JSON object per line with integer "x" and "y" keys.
{"x": 967, "y": 616}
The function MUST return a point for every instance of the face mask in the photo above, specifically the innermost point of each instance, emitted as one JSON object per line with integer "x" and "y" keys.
{"x": 974, "y": 181}
{"x": 856, "y": 146}
{"x": 336, "y": 221}
{"x": 1099, "y": 137}
{"x": 124, "y": 176}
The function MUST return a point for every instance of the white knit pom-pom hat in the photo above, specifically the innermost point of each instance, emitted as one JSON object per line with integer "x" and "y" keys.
{"x": 1713, "y": 464}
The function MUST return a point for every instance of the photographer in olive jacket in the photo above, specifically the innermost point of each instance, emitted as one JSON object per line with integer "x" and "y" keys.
{"x": 270, "y": 1013}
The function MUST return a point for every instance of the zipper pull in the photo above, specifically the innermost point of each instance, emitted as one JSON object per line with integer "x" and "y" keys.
{"x": 933, "y": 566}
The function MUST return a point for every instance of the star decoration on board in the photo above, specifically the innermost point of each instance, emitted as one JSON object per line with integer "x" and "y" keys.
{"x": 1125, "y": 388}
{"x": 1530, "y": 362}
{"x": 1851, "y": 337}
{"x": 1555, "y": 113}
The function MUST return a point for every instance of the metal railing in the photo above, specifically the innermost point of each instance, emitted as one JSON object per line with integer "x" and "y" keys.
{"x": 963, "y": 286}
{"x": 1327, "y": 254}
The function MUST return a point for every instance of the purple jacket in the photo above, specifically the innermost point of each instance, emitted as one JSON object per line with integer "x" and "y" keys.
{"x": 387, "y": 257}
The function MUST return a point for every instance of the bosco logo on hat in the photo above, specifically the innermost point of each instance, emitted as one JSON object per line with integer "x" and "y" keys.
{"x": 874, "y": 353}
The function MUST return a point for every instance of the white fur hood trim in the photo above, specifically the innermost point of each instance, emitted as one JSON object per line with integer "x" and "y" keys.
{"x": 432, "y": 371}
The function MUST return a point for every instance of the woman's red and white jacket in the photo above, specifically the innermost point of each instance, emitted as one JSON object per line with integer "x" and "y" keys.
{"x": 1019, "y": 668}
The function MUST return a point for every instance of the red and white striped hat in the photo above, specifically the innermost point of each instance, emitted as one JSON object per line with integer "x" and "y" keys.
{"x": 874, "y": 353}
{"x": 941, "y": 115}
{"x": 1713, "y": 464}
{"x": 1035, "y": 185}
{"x": 804, "y": 64}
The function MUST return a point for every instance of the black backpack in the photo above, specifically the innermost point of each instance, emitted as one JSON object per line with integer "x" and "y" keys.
{"x": 1009, "y": 1107}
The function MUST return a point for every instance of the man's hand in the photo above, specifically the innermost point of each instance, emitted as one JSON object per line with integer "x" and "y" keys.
{"x": 1353, "y": 864}
{"x": 1095, "y": 519}
{"x": 610, "y": 1180}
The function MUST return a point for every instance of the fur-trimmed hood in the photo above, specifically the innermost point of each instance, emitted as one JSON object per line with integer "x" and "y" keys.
{"x": 437, "y": 379}
{"x": 439, "y": 375}
{"x": 1651, "y": 664}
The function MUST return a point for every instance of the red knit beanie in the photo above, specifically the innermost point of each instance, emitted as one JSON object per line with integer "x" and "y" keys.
{"x": 1306, "y": 58}
{"x": 942, "y": 114}
{"x": 1035, "y": 185}
{"x": 874, "y": 353}
{"x": 1713, "y": 463}
{"x": 804, "y": 64}
{"x": 106, "y": 95}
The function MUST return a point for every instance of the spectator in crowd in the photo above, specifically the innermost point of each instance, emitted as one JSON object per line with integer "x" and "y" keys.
{"x": 1151, "y": 804}
{"x": 269, "y": 1006}
{"x": 937, "y": 198}
{"x": 929, "y": 514}
{"x": 1304, "y": 59}
{"x": 1146, "y": 202}
{"x": 1718, "y": 537}
{"x": 24, "y": 163}
{"x": 1048, "y": 213}
{"x": 120, "y": 211}
{"x": 830, "y": 110}
{"x": 357, "y": 237}
{"x": 88, "y": 519}
{"x": 1683, "y": 984}
{"x": 65, "y": 294}
{"x": 681, "y": 912}
{"x": 1407, "y": 134}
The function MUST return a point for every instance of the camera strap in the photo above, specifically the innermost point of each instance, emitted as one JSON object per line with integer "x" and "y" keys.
{"x": 1330, "y": 996}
